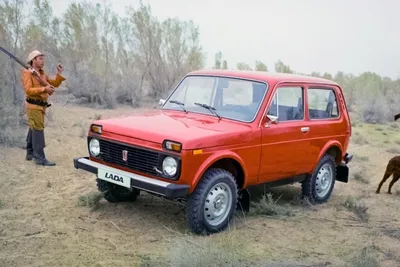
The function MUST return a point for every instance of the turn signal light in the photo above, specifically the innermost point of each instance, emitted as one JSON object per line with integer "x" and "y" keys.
{"x": 174, "y": 146}
{"x": 96, "y": 128}
{"x": 197, "y": 151}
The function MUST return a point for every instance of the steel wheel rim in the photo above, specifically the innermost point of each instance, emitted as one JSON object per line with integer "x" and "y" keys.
{"x": 324, "y": 180}
{"x": 218, "y": 204}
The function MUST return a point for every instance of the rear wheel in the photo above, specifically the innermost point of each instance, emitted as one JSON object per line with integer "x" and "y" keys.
{"x": 317, "y": 188}
{"x": 212, "y": 204}
{"x": 115, "y": 193}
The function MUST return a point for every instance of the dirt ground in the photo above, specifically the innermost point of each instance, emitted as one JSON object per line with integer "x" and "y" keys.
{"x": 41, "y": 223}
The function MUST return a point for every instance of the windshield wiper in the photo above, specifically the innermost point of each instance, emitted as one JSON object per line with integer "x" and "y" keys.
{"x": 179, "y": 103}
{"x": 210, "y": 108}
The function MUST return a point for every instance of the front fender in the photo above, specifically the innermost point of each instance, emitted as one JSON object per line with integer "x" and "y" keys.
{"x": 214, "y": 158}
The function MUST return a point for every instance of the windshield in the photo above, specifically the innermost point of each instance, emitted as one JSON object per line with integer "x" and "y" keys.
{"x": 218, "y": 96}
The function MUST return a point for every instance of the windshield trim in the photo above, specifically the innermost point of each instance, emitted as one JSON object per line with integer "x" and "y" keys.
{"x": 220, "y": 76}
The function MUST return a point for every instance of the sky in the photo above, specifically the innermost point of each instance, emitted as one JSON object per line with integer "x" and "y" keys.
{"x": 308, "y": 35}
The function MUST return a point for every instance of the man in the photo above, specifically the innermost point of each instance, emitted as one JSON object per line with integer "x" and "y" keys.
{"x": 36, "y": 104}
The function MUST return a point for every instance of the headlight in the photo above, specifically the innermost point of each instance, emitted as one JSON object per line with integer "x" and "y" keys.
{"x": 170, "y": 166}
{"x": 94, "y": 147}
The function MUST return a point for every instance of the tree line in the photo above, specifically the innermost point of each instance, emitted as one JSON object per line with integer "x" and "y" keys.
{"x": 108, "y": 58}
{"x": 111, "y": 58}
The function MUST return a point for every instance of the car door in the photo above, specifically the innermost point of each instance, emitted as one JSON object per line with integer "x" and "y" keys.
{"x": 325, "y": 117}
{"x": 285, "y": 144}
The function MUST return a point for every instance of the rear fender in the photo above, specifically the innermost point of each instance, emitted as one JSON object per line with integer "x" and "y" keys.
{"x": 328, "y": 145}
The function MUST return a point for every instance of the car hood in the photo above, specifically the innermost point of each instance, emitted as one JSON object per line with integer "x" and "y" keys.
{"x": 191, "y": 129}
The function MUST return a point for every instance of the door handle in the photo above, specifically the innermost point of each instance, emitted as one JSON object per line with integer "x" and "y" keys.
{"x": 305, "y": 129}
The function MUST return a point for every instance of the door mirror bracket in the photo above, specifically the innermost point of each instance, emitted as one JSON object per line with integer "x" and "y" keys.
{"x": 271, "y": 120}
{"x": 161, "y": 102}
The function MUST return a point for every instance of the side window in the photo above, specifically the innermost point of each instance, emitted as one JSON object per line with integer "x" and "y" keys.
{"x": 287, "y": 104}
{"x": 322, "y": 103}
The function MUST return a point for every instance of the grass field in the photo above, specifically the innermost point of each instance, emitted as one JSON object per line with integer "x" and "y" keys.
{"x": 53, "y": 216}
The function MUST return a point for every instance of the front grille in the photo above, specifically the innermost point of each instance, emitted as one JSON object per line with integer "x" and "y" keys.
{"x": 139, "y": 159}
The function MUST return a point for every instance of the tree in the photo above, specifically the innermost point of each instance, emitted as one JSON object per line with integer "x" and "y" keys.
{"x": 217, "y": 60}
{"x": 225, "y": 65}
{"x": 11, "y": 16}
{"x": 280, "y": 67}
{"x": 260, "y": 66}
{"x": 243, "y": 66}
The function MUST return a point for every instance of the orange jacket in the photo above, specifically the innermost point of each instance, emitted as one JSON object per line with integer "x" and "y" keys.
{"x": 34, "y": 90}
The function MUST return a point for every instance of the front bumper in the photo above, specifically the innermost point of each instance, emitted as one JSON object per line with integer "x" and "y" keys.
{"x": 165, "y": 189}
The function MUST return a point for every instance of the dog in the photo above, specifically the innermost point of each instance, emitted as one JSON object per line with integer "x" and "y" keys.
{"x": 393, "y": 167}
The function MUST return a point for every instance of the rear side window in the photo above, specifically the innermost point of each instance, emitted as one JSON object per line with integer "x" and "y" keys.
{"x": 287, "y": 104}
{"x": 322, "y": 103}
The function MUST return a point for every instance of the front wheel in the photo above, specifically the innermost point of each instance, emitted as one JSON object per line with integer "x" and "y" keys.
{"x": 212, "y": 204}
{"x": 114, "y": 193}
{"x": 317, "y": 188}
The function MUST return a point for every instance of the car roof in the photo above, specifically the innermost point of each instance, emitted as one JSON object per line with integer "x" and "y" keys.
{"x": 269, "y": 77}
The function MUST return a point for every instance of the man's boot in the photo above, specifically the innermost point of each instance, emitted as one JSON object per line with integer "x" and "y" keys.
{"x": 29, "y": 148}
{"x": 38, "y": 148}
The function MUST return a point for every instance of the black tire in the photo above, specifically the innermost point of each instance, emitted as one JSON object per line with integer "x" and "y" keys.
{"x": 114, "y": 193}
{"x": 310, "y": 186}
{"x": 196, "y": 204}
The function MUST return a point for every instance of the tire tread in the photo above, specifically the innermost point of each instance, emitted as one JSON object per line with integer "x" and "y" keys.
{"x": 194, "y": 207}
{"x": 307, "y": 187}
{"x": 111, "y": 195}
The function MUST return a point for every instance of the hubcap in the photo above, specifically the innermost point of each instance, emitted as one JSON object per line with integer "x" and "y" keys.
{"x": 218, "y": 204}
{"x": 324, "y": 180}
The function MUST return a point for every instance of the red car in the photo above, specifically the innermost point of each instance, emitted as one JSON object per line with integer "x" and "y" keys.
{"x": 220, "y": 132}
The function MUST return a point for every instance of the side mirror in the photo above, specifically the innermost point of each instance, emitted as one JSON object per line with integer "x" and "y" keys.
{"x": 161, "y": 102}
{"x": 271, "y": 120}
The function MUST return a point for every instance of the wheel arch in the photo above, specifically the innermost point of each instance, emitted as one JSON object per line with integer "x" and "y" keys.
{"x": 226, "y": 160}
{"x": 332, "y": 148}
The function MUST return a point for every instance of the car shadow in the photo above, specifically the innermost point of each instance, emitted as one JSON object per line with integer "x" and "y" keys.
{"x": 146, "y": 210}
{"x": 285, "y": 194}
{"x": 152, "y": 211}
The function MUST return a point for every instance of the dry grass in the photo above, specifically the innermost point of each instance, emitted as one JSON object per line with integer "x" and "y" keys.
{"x": 359, "y": 174}
{"x": 392, "y": 232}
{"x": 48, "y": 218}
{"x": 359, "y": 138}
{"x": 224, "y": 250}
{"x": 357, "y": 206}
{"x": 397, "y": 141}
{"x": 393, "y": 150}
{"x": 208, "y": 252}
{"x": 91, "y": 200}
{"x": 366, "y": 258}
{"x": 268, "y": 206}
{"x": 12, "y": 130}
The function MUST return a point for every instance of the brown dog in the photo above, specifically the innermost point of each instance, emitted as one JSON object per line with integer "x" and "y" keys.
{"x": 393, "y": 167}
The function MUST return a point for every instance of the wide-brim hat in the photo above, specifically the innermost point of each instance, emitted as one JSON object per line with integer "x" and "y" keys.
{"x": 33, "y": 54}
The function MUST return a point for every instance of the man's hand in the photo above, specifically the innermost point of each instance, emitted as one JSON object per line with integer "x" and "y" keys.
{"x": 60, "y": 69}
{"x": 49, "y": 89}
